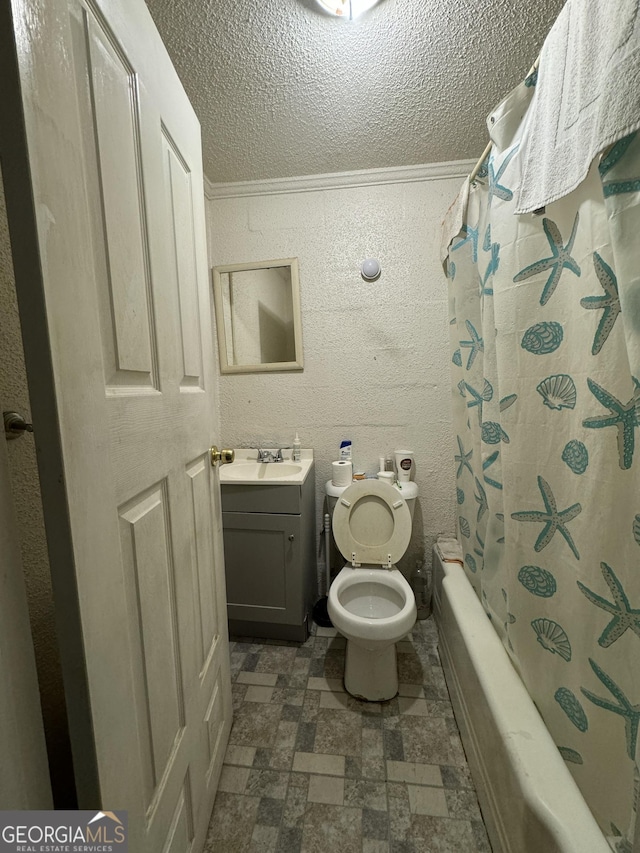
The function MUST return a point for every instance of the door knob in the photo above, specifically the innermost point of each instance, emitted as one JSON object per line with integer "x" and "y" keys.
{"x": 291, "y": 537}
{"x": 221, "y": 456}
{"x": 15, "y": 425}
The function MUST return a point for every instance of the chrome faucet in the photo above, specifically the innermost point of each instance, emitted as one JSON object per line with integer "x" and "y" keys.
{"x": 265, "y": 455}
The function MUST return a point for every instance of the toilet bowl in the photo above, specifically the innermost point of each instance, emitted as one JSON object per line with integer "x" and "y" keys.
{"x": 370, "y": 602}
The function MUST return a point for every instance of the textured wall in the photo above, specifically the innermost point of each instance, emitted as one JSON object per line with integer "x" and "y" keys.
{"x": 376, "y": 354}
{"x": 25, "y": 485}
{"x": 281, "y": 88}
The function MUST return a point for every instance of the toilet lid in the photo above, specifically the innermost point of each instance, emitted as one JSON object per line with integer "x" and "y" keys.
{"x": 372, "y": 523}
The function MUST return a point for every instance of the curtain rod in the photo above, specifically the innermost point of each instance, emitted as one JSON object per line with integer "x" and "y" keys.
{"x": 487, "y": 150}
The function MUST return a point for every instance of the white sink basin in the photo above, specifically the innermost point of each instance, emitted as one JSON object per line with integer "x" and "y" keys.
{"x": 260, "y": 470}
{"x": 246, "y": 470}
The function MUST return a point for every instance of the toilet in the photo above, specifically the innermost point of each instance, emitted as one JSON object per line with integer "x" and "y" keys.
{"x": 370, "y": 602}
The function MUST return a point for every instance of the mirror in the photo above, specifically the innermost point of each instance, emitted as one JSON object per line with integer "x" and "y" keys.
{"x": 258, "y": 316}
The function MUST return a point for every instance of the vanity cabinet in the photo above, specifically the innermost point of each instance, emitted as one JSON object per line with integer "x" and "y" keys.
{"x": 269, "y": 535}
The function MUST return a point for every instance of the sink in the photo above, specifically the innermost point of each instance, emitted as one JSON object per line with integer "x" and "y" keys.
{"x": 261, "y": 470}
{"x": 246, "y": 470}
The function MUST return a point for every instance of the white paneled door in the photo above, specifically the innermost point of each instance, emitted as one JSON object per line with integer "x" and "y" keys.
{"x": 113, "y": 289}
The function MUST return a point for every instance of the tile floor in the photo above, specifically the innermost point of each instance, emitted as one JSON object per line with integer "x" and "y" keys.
{"x": 310, "y": 769}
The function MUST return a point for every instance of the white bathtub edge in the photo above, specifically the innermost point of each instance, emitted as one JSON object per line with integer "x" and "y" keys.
{"x": 529, "y": 799}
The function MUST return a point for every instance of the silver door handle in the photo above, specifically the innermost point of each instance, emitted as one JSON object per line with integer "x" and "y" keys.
{"x": 291, "y": 537}
{"x": 15, "y": 425}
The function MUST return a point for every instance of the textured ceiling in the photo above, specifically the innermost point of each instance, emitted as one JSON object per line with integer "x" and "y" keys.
{"x": 283, "y": 89}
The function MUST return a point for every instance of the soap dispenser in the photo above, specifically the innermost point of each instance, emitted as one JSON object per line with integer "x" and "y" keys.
{"x": 296, "y": 449}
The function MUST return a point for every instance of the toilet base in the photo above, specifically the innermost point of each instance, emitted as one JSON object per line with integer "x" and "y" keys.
{"x": 371, "y": 675}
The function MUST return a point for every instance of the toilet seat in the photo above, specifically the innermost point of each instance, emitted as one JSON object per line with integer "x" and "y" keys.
{"x": 372, "y": 524}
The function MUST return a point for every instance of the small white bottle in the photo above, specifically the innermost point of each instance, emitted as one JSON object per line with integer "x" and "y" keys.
{"x": 296, "y": 449}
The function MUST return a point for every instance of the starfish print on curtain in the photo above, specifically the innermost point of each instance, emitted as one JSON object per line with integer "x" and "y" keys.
{"x": 470, "y": 236}
{"x": 462, "y": 458}
{"x": 475, "y": 345}
{"x": 559, "y": 259}
{"x": 478, "y": 399}
{"x": 610, "y": 302}
{"x": 552, "y": 519}
{"x": 629, "y": 185}
{"x": 491, "y": 270}
{"x": 481, "y": 500}
{"x": 630, "y": 713}
{"x": 624, "y": 416}
{"x": 624, "y": 617}
{"x": 488, "y": 462}
{"x": 496, "y": 189}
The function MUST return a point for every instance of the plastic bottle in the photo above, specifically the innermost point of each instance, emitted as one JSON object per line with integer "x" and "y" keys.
{"x": 296, "y": 448}
{"x": 421, "y": 590}
{"x": 345, "y": 449}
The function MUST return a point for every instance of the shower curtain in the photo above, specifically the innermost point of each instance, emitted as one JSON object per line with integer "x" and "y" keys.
{"x": 545, "y": 330}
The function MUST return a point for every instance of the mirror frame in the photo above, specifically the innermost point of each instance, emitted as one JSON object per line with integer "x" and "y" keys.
{"x": 225, "y": 367}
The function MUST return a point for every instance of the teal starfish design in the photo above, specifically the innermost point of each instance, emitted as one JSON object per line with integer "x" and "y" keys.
{"x": 500, "y": 517}
{"x": 552, "y": 519}
{"x": 617, "y": 152}
{"x": 630, "y": 185}
{"x": 624, "y": 416}
{"x": 610, "y": 302}
{"x": 475, "y": 345}
{"x": 630, "y": 713}
{"x": 463, "y": 458}
{"x": 477, "y": 399}
{"x": 481, "y": 499}
{"x": 624, "y": 617}
{"x": 620, "y": 187}
{"x": 471, "y": 236}
{"x": 492, "y": 268}
{"x": 486, "y": 243}
{"x": 495, "y": 187}
{"x": 488, "y": 462}
{"x": 559, "y": 259}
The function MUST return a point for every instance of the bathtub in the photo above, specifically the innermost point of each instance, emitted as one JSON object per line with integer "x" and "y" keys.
{"x": 529, "y": 800}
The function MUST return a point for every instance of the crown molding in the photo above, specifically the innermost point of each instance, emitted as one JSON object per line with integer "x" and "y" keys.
{"x": 340, "y": 180}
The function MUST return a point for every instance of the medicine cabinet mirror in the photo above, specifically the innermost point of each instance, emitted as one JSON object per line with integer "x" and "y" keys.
{"x": 258, "y": 316}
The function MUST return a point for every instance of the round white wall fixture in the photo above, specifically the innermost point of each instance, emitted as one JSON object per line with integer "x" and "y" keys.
{"x": 370, "y": 269}
{"x": 347, "y": 8}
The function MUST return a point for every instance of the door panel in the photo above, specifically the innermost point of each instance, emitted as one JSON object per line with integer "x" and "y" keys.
{"x": 151, "y": 604}
{"x": 201, "y": 510}
{"x": 180, "y": 835}
{"x": 112, "y": 132}
{"x": 180, "y": 186}
{"x": 114, "y": 154}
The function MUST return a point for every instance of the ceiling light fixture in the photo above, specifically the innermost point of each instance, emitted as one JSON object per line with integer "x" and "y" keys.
{"x": 349, "y": 9}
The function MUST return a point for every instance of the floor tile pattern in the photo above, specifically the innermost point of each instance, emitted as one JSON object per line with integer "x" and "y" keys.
{"x": 310, "y": 769}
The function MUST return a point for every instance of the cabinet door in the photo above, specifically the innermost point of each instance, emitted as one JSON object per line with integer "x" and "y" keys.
{"x": 263, "y": 567}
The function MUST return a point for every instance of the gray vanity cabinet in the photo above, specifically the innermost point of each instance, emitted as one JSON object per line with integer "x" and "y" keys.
{"x": 269, "y": 558}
